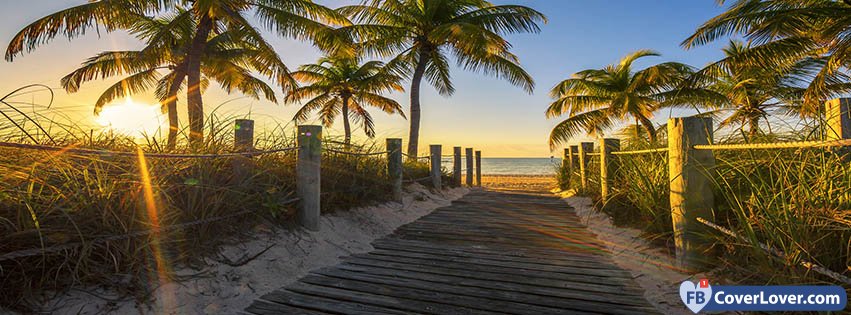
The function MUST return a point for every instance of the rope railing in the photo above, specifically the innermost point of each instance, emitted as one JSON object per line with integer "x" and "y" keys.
{"x": 654, "y": 150}
{"x": 82, "y": 151}
{"x": 61, "y": 247}
{"x": 775, "y": 145}
{"x": 416, "y": 157}
{"x": 779, "y": 254}
{"x": 357, "y": 153}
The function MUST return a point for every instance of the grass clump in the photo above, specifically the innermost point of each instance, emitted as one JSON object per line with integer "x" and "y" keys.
{"x": 797, "y": 201}
{"x": 74, "y": 211}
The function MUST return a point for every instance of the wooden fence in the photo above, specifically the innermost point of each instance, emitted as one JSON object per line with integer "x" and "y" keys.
{"x": 691, "y": 159}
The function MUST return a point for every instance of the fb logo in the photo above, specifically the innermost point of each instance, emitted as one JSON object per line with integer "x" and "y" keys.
{"x": 695, "y": 297}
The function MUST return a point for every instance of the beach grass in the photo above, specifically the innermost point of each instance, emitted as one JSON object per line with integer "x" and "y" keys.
{"x": 796, "y": 201}
{"x": 124, "y": 222}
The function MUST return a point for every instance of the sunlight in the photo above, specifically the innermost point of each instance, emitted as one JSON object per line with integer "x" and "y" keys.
{"x": 131, "y": 118}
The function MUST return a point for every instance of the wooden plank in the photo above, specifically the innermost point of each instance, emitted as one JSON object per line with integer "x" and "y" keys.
{"x": 511, "y": 301}
{"x": 539, "y": 286}
{"x": 419, "y": 263}
{"x": 562, "y": 260}
{"x": 262, "y": 307}
{"x": 326, "y": 304}
{"x": 476, "y": 261}
{"x": 409, "y": 289}
{"x": 379, "y": 299}
{"x": 513, "y": 251}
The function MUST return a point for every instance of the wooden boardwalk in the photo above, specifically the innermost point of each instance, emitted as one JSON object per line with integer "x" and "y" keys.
{"x": 490, "y": 252}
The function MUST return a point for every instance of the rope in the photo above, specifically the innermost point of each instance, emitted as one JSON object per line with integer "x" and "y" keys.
{"x": 417, "y": 157}
{"x": 593, "y": 154}
{"x": 655, "y": 150}
{"x": 416, "y": 180}
{"x": 775, "y": 145}
{"x": 148, "y": 155}
{"x": 357, "y": 153}
{"x": 61, "y": 247}
{"x": 778, "y": 253}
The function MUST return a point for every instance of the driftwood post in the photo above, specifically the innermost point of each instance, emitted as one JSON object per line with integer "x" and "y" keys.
{"x": 456, "y": 166}
{"x": 479, "y": 168}
{"x": 691, "y": 187}
{"x": 838, "y": 117}
{"x": 608, "y": 166}
{"x": 394, "y": 166}
{"x": 308, "y": 168}
{"x": 435, "y": 165}
{"x": 243, "y": 141}
{"x": 584, "y": 159}
{"x": 468, "y": 155}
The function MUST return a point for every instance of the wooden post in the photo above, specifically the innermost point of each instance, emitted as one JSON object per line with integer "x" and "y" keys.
{"x": 584, "y": 159}
{"x": 308, "y": 168}
{"x": 479, "y": 168}
{"x": 691, "y": 187}
{"x": 608, "y": 166}
{"x": 574, "y": 157}
{"x": 243, "y": 135}
{"x": 456, "y": 166}
{"x": 394, "y": 166}
{"x": 243, "y": 141}
{"x": 838, "y": 119}
{"x": 469, "y": 156}
{"x": 435, "y": 165}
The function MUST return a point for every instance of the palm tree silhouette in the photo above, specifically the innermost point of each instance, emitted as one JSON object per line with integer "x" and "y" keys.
{"x": 342, "y": 86}
{"x": 595, "y": 98}
{"x": 300, "y": 19}
{"x": 161, "y": 65}
{"x": 421, "y": 36}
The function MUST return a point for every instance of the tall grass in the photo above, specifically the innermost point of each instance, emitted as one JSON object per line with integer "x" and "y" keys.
{"x": 795, "y": 200}
{"x": 49, "y": 199}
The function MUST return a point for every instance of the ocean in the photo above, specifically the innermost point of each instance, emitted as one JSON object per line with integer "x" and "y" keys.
{"x": 512, "y": 166}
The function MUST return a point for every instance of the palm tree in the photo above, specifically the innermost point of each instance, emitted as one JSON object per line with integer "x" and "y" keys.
{"x": 750, "y": 92}
{"x": 227, "y": 60}
{"x": 595, "y": 98}
{"x": 339, "y": 85}
{"x": 785, "y": 33}
{"x": 301, "y": 19}
{"x": 421, "y": 35}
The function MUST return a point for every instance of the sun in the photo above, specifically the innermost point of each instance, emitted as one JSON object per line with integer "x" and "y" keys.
{"x": 131, "y": 118}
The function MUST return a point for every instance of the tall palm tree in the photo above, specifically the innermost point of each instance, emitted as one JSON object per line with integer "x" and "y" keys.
{"x": 595, "y": 99}
{"x": 750, "y": 92}
{"x": 785, "y": 33}
{"x": 161, "y": 65}
{"x": 301, "y": 19}
{"x": 341, "y": 86}
{"x": 423, "y": 34}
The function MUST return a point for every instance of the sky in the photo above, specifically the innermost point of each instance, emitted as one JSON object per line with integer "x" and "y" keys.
{"x": 486, "y": 113}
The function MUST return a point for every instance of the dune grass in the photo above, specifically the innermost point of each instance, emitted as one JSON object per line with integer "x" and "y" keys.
{"x": 91, "y": 202}
{"x": 794, "y": 200}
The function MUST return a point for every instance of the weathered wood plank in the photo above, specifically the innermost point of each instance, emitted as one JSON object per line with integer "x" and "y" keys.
{"x": 487, "y": 253}
{"x": 502, "y": 300}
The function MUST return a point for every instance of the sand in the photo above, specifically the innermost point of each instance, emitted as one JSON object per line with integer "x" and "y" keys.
{"x": 519, "y": 182}
{"x": 224, "y": 289}
{"x": 652, "y": 268}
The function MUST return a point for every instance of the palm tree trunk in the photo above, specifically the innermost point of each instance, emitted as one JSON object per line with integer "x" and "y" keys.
{"x": 416, "y": 80}
{"x": 171, "y": 107}
{"x": 651, "y": 130}
{"x": 753, "y": 125}
{"x": 193, "y": 72}
{"x": 346, "y": 126}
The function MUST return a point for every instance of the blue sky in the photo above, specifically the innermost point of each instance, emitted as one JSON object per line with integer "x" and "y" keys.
{"x": 486, "y": 113}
